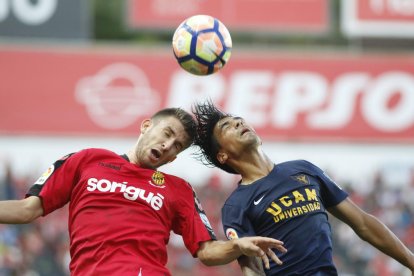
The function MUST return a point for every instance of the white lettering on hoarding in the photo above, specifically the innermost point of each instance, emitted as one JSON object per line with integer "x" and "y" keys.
{"x": 255, "y": 86}
{"x": 341, "y": 102}
{"x": 28, "y": 12}
{"x": 384, "y": 102}
{"x": 297, "y": 93}
{"x": 4, "y": 9}
{"x": 378, "y": 18}
{"x": 376, "y": 99}
{"x": 399, "y": 7}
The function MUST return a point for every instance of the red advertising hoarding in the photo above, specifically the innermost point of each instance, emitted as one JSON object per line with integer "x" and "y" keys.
{"x": 301, "y": 16}
{"x": 284, "y": 96}
{"x": 378, "y": 18}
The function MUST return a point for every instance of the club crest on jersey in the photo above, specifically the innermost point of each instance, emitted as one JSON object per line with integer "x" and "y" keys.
{"x": 231, "y": 234}
{"x": 42, "y": 179}
{"x": 157, "y": 179}
{"x": 301, "y": 178}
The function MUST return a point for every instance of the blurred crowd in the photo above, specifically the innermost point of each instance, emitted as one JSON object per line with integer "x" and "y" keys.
{"x": 41, "y": 248}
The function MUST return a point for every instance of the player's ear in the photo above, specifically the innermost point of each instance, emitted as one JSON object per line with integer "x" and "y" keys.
{"x": 145, "y": 125}
{"x": 222, "y": 157}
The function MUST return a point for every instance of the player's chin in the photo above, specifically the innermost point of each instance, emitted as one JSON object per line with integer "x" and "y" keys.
{"x": 151, "y": 163}
{"x": 156, "y": 163}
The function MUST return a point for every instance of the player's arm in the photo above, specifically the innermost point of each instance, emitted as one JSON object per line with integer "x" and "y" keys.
{"x": 223, "y": 252}
{"x": 20, "y": 211}
{"x": 370, "y": 229}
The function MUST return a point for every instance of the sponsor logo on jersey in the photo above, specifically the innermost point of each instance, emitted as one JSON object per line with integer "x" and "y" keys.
{"x": 303, "y": 178}
{"x": 293, "y": 204}
{"x": 231, "y": 234}
{"x": 155, "y": 201}
{"x": 111, "y": 166}
{"x": 45, "y": 176}
{"x": 258, "y": 201}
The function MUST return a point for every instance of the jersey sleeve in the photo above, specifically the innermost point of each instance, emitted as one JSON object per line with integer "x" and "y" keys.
{"x": 235, "y": 223}
{"x": 332, "y": 194}
{"x": 55, "y": 185}
{"x": 191, "y": 222}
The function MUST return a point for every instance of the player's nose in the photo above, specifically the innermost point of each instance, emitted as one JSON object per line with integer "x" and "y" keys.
{"x": 238, "y": 122}
{"x": 167, "y": 145}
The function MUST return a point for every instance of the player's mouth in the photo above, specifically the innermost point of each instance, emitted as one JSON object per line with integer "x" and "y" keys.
{"x": 155, "y": 154}
{"x": 244, "y": 131}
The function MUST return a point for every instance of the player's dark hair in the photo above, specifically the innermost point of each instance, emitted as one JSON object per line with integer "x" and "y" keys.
{"x": 183, "y": 116}
{"x": 207, "y": 116}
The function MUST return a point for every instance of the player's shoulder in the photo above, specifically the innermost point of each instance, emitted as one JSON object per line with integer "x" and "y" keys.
{"x": 172, "y": 177}
{"x": 90, "y": 154}
{"x": 238, "y": 196}
{"x": 96, "y": 152}
{"x": 298, "y": 165}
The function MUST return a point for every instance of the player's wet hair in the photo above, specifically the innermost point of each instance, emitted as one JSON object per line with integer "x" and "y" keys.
{"x": 207, "y": 116}
{"x": 183, "y": 116}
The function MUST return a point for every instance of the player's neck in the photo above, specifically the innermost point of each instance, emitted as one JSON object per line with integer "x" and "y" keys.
{"x": 254, "y": 168}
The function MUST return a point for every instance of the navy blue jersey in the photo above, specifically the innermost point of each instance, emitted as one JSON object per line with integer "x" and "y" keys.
{"x": 290, "y": 205}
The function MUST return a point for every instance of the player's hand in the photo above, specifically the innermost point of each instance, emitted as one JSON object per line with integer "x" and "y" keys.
{"x": 261, "y": 247}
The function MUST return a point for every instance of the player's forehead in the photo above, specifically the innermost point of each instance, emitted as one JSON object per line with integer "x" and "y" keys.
{"x": 165, "y": 121}
{"x": 173, "y": 126}
{"x": 226, "y": 120}
{"x": 223, "y": 123}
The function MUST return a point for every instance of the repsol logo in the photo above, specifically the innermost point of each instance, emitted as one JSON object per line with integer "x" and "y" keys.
{"x": 129, "y": 192}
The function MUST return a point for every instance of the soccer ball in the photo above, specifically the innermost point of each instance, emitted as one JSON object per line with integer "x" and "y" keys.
{"x": 202, "y": 45}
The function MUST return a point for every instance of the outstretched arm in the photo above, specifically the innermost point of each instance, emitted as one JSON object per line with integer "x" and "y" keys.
{"x": 20, "y": 211}
{"x": 223, "y": 252}
{"x": 370, "y": 229}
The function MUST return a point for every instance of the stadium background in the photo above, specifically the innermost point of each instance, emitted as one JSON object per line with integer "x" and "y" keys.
{"x": 327, "y": 81}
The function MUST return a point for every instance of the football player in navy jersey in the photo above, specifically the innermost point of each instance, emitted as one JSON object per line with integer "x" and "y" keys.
{"x": 122, "y": 209}
{"x": 288, "y": 201}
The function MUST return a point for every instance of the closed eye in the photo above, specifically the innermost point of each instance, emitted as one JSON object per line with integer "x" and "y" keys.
{"x": 178, "y": 146}
{"x": 224, "y": 125}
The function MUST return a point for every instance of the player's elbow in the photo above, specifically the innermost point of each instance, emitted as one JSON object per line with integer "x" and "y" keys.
{"x": 27, "y": 216}
{"x": 30, "y": 210}
{"x": 363, "y": 230}
{"x": 362, "y": 234}
{"x": 206, "y": 258}
{"x": 209, "y": 255}
{"x": 212, "y": 261}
